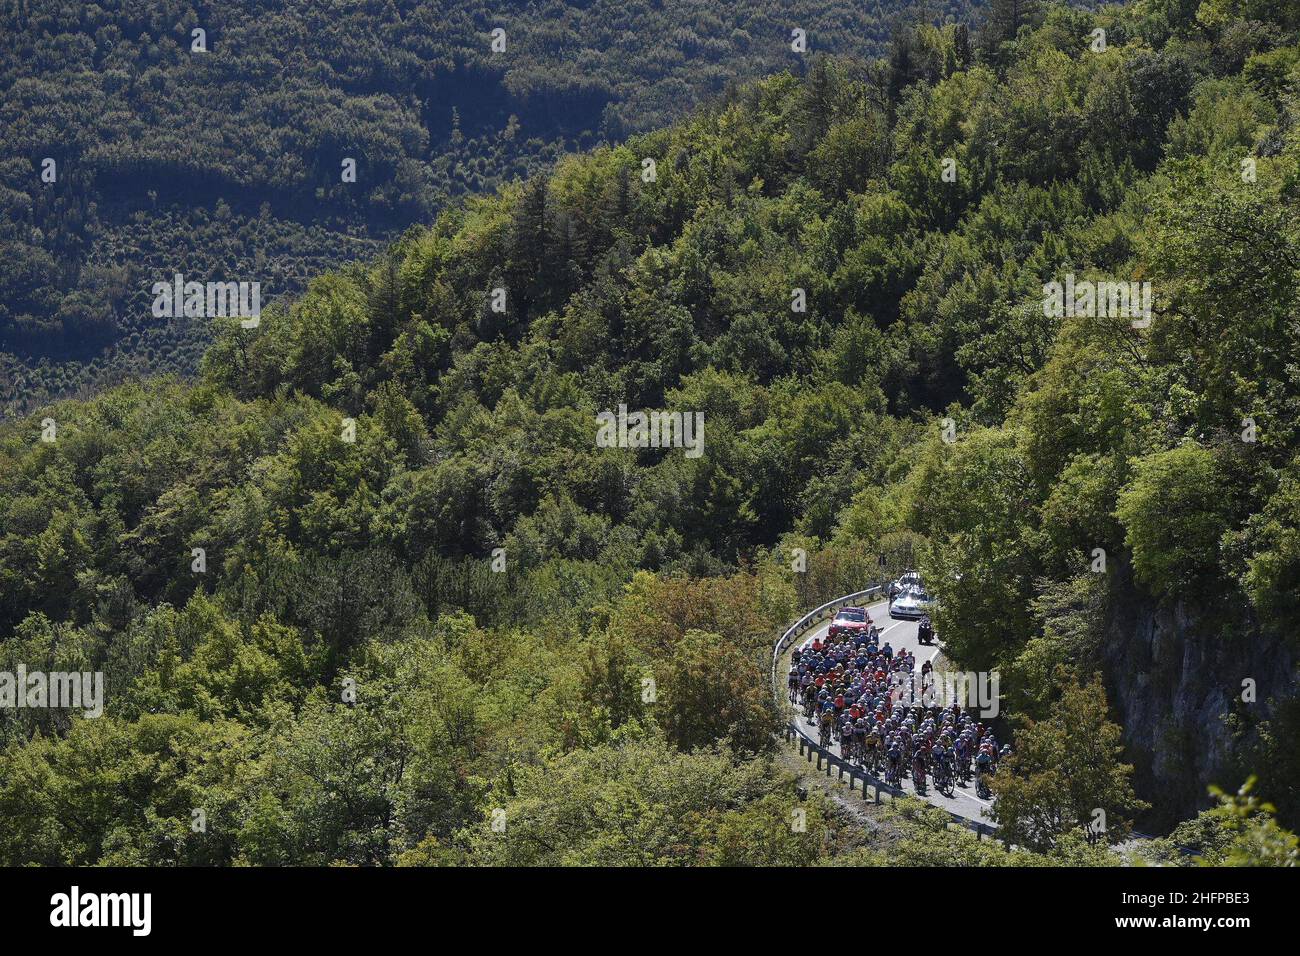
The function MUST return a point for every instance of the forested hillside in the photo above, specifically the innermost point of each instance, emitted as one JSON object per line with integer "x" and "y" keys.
{"x": 219, "y": 155}
{"x": 372, "y": 583}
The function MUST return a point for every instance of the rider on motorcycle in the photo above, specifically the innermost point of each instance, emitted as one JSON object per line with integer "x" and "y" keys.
{"x": 925, "y": 630}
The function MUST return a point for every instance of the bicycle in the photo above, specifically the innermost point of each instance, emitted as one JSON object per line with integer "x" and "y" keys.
{"x": 943, "y": 778}
{"x": 963, "y": 770}
{"x": 893, "y": 773}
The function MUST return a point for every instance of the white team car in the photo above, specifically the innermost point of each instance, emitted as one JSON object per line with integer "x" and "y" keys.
{"x": 911, "y": 605}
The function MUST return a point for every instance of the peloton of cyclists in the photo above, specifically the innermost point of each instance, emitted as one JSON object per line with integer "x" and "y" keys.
{"x": 860, "y": 694}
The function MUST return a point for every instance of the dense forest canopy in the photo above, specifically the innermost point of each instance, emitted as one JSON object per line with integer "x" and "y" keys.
{"x": 225, "y": 162}
{"x": 349, "y": 679}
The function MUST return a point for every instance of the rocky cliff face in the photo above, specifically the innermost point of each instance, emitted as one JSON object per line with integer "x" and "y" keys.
{"x": 1173, "y": 675}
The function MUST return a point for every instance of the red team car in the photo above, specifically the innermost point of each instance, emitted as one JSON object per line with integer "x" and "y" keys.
{"x": 849, "y": 621}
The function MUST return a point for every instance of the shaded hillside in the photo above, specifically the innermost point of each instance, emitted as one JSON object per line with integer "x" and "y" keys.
{"x": 226, "y": 164}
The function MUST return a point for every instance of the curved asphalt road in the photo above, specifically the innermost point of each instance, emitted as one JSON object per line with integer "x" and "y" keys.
{"x": 902, "y": 636}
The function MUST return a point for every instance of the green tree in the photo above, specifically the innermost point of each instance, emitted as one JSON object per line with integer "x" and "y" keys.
{"x": 1239, "y": 831}
{"x": 1064, "y": 770}
{"x": 713, "y": 690}
{"x": 1174, "y": 512}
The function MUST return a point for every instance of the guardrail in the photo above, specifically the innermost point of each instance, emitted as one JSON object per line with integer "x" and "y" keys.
{"x": 825, "y": 759}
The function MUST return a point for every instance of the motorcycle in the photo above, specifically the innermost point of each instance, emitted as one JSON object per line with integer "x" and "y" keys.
{"x": 925, "y": 632}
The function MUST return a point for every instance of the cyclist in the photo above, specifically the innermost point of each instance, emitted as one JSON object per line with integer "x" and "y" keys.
{"x": 983, "y": 768}
{"x": 942, "y": 764}
{"x": 860, "y": 739}
{"x": 827, "y": 721}
{"x": 893, "y": 753}
{"x": 961, "y": 755}
{"x": 846, "y": 738}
